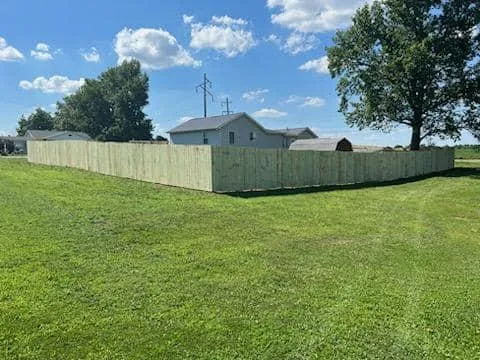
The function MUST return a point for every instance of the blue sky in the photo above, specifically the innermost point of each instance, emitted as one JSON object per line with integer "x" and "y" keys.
{"x": 267, "y": 56}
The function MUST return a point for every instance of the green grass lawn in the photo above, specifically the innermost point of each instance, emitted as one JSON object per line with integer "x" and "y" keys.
{"x": 467, "y": 153}
{"x": 95, "y": 267}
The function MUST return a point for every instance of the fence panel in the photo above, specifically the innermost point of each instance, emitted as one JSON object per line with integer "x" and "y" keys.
{"x": 229, "y": 169}
{"x": 176, "y": 165}
{"x": 295, "y": 169}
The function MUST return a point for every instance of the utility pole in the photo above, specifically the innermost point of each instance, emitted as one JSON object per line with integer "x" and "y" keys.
{"x": 227, "y": 102}
{"x": 204, "y": 87}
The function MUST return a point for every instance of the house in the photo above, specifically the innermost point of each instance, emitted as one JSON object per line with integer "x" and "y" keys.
{"x": 52, "y": 135}
{"x": 235, "y": 130}
{"x": 20, "y": 143}
{"x": 323, "y": 144}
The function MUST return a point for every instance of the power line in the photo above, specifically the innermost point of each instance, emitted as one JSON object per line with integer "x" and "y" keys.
{"x": 227, "y": 102}
{"x": 204, "y": 86}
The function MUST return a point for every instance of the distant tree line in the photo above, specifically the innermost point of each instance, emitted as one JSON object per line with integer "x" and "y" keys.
{"x": 475, "y": 148}
{"x": 109, "y": 108}
{"x": 38, "y": 120}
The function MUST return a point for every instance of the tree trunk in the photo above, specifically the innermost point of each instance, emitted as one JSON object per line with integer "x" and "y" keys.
{"x": 416, "y": 138}
{"x": 416, "y": 129}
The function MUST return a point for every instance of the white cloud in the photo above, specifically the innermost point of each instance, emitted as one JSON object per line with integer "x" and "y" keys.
{"x": 159, "y": 130}
{"x": 274, "y": 39}
{"x": 43, "y": 47}
{"x": 319, "y": 65}
{"x": 313, "y": 15}
{"x": 296, "y": 43}
{"x": 91, "y": 55}
{"x": 9, "y": 53}
{"x": 308, "y": 101}
{"x": 228, "y": 21}
{"x": 255, "y": 95}
{"x": 154, "y": 48}
{"x": 42, "y": 56}
{"x": 299, "y": 42}
{"x": 475, "y": 31}
{"x": 42, "y": 52}
{"x": 187, "y": 19}
{"x": 269, "y": 113}
{"x": 313, "y": 102}
{"x": 223, "y": 34}
{"x": 185, "y": 118}
{"x": 292, "y": 99}
{"x": 55, "y": 84}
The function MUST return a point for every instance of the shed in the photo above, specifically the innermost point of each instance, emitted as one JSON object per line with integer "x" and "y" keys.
{"x": 322, "y": 144}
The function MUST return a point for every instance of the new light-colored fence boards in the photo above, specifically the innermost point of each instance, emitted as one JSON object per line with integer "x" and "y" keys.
{"x": 230, "y": 169}
{"x": 176, "y": 165}
{"x": 244, "y": 169}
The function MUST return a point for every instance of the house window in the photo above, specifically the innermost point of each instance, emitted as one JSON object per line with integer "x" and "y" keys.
{"x": 253, "y": 135}
{"x": 205, "y": 138}
{"x": 231, "y": 137}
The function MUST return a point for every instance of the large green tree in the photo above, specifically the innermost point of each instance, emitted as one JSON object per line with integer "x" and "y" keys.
{"x": 38, "y": 120}
{"x": 87, "y": 111}
{"x": 411, "y": 62}
{"x": 110, "y": 107}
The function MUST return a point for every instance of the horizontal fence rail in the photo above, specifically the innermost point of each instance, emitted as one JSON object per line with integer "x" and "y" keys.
{"x": 232, "y": 169}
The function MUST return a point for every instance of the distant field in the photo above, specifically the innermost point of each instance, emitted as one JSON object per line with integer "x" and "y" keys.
{"x": 96, "y": 267}
{"x": 468, "y": 163}
{"x": 467, "y": 153}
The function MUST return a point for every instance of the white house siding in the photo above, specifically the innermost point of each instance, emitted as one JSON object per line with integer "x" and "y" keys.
{"x": 196, "y": 138}
{"x": 242, "y": 127}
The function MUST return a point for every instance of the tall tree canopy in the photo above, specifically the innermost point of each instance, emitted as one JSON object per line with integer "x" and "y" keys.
{"x": 411, "y": 62}
{"x": 110, "y": 107}
{"x": 38, "y": 120}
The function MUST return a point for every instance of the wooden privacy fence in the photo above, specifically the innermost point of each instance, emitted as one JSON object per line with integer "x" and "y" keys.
{"x": 229, "y": 169}
{"x": 176, "y": 165}
{"x": 236, "y": 169}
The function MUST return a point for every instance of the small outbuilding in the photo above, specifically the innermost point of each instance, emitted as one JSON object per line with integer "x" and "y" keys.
{"x": 322, "y": 144}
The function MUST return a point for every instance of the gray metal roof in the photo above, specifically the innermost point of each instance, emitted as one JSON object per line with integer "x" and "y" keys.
{"x": 208, "y": 123}
{"x": 293, "y": 132}
{"x": 367, "y": 148}
{"x": 13, "y": 138}
{"x": 46, "y": 134}
{"x": 319, "y": 144}
{"x": 217, "y": 122}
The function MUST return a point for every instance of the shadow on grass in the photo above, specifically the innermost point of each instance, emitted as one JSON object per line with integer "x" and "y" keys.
{"x": 471, "y": 172}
